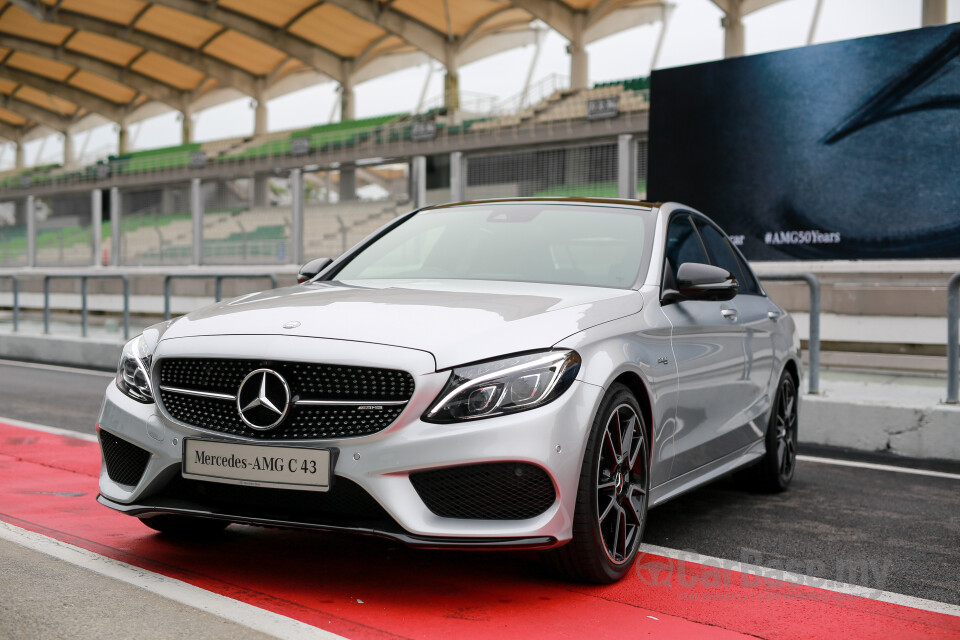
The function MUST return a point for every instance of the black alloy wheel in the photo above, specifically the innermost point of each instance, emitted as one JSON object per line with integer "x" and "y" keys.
{"x": 786, "y": 429}
{"x": 775, "y": 469}
{"x": 621, "y": 484}
{"x": 612, "y": 499}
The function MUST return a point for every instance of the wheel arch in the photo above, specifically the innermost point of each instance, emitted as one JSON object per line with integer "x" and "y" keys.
{"x": 793, "y": 369}
{"x": 632, "y": 381}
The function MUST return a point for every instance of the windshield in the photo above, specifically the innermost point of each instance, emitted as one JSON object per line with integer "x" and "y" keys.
{"x": 549, "y": 242}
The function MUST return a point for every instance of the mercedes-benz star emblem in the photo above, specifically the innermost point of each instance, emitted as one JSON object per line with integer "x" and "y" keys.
{"x": 263, "y": 399}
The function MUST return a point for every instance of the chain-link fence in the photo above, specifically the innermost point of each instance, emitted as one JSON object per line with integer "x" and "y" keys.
{"x": 576, "y": 170}
{"x": 342, "y": 207}
{"x": 13, "y": 232}
{"x": 155, "y": 225}
{"x": 247, "y": 220}
{"x": 642, "y": 168}
{"x": 64, "y": 233}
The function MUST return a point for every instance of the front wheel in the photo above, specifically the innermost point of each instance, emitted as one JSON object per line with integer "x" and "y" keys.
{"x": 612, "y": 498}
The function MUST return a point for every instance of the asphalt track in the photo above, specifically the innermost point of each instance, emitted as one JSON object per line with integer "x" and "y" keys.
{"x": 896, "y": 536}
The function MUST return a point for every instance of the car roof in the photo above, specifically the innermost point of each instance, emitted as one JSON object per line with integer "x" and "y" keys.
{"x": 640, "y": 204}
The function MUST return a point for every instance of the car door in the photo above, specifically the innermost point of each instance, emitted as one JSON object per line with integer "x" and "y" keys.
{"x": 708, "y": 344}
{"x": 757, "y": 317}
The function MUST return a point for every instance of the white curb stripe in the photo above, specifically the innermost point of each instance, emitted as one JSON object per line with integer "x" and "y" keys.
{"x": 56, "y": 367}
{"x": 811, "y": 581}
{"x": 879, "y": 467}
{"x": 23, "y": 424}
{"x": 272, "y": 624}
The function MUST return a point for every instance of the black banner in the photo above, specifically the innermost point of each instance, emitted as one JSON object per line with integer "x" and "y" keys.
{"x": 847, "y": 150}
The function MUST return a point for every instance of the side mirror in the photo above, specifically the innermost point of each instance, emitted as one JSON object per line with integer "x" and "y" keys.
{"x": 310, "y": 270}
{"x": 697, "y": 281}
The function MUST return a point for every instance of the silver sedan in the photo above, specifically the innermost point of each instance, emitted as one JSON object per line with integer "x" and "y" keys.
{"x": 530, "y": 373}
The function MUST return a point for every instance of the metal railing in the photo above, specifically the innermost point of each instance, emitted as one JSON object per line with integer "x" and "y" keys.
{"x": 218, "y": 284}
{"x": 84, "y": 277}
{"x": 953, "y": 340}
{"x": 813, "y": 344}
{"x": 16, "y": 298}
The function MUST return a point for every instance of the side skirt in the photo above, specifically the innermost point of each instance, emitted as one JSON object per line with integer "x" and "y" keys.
{"x": 707, "y": 473}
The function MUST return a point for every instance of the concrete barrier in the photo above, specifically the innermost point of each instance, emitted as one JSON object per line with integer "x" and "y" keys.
{"x": 78, "y": 352}
{"x": 916, "y": 432}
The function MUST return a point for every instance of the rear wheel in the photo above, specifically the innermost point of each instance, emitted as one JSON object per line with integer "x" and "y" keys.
{"x": 186, "y": 526}
{"x": 775, "y": 470}
{"x": 611, "y": 509}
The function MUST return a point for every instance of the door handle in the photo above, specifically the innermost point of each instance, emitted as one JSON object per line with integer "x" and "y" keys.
{"x": 775, "y": 315}
{"x": 729, "y": 314}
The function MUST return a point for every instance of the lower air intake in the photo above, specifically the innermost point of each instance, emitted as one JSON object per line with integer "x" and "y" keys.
{"x": 125, "y": 462}
{"x": 492, "y": 491}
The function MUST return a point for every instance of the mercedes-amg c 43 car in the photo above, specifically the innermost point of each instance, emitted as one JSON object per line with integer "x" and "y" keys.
{"x": 510, "y": 374}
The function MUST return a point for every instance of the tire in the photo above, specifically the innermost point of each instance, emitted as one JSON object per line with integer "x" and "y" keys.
{"x": 186, "y": 527}
{"x": 612, "y": 498}
{"x": 775, "y": 470}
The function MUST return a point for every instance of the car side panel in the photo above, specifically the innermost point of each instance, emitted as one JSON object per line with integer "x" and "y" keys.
{"x": 638, "y": 345}
{"x": 709, "y": 349}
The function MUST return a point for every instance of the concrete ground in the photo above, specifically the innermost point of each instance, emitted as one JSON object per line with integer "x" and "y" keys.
{"x": 49, "y": 599}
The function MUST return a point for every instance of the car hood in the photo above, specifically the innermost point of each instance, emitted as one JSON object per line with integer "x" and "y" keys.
{"x": 457, "y": 321}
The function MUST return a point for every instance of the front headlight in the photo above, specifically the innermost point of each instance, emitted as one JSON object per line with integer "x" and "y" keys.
{"x": 133, "y": 373}
{"x": 504, "y": 386}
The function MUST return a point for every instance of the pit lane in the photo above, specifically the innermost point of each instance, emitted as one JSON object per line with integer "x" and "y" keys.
{"x": 880, "y": 529}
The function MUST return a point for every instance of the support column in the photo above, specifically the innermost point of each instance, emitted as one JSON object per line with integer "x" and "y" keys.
{"x": 96, "y": 226}
{"x": 934, "y": 13}
{"x": 196, "y": 215}
{"x": 261, "y": 189}
{"x": 347, "y": 100}
{"x": 418, "y": 181}
{"x": 626, "y": 167}
{"x": 579, "y": 62}
{"x": 733, "y": 35}
{"x": 18, "y": 162}
{"x": 122, "y": 139}
{"x": 260, "y": 117}
{"x": 260, "y": 183}
{"x": 348, "y": 175}
{"x": 67, "y": 150}
{"x": 348, "y": 183}
{"x": 116, "y": 230}
{"x": 31, "y": 231}
{"x": 451, "y": 91}
{"x": 458, "y": 177}
{"x": 168, "y": 203}
{"x": 296, "y": 217}
{"x": 186, "y": 126}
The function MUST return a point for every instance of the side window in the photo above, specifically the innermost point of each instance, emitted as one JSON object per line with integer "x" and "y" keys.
{"x": 722, "y": 255}
{"x": 750, "y": 284}
{"x": 683, "y": 245}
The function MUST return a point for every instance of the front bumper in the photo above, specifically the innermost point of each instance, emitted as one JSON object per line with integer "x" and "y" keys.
{"x": 551, "y": 437}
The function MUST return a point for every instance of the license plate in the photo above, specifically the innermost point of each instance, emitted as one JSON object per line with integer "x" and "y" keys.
{"x": 257, "y": 465}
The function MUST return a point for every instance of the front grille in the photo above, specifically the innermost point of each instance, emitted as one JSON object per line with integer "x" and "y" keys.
{"x": 125, "y": 461}
{"x": 493, "y": 491}
{"x": 307, "y": 381}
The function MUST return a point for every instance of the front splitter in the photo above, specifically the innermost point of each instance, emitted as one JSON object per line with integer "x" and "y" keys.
{"x": 412, "y": 540}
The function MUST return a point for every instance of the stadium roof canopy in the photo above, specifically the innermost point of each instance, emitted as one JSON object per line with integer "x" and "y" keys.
{"x": 124, "y": 60}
